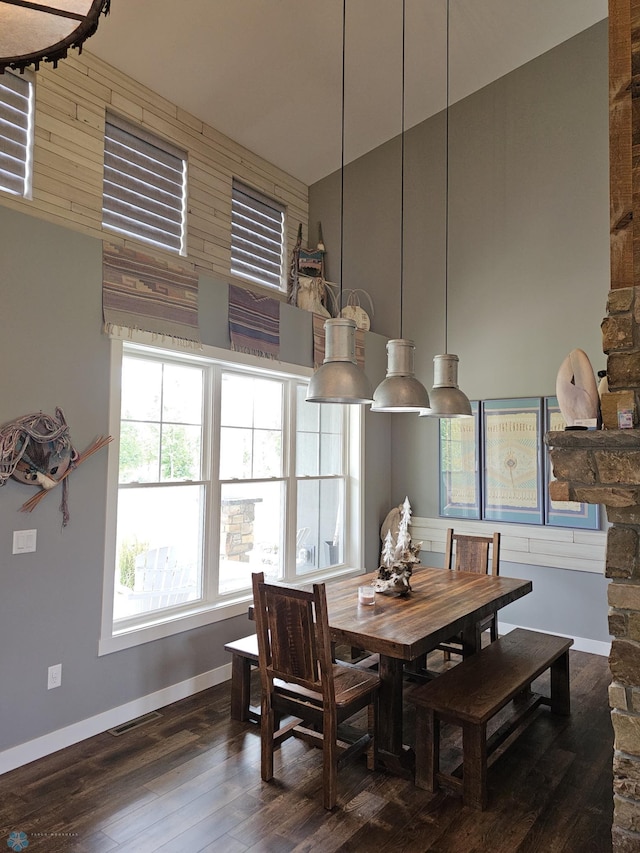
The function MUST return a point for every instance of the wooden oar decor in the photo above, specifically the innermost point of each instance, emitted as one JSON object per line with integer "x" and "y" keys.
{"x": 36, "y": 449}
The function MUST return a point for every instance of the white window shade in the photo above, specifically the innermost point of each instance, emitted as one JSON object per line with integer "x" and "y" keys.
{"x": 257, "y": 236}
{"x": 144, "y": 192}
{"x": 16, "y": 111}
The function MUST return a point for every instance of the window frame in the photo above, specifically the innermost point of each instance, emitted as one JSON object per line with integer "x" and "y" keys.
{"x": 261, "y": 200}
{"x": 214, "y": 606}
{"x": 147, "y": 139}
{"x": 27, "y": 181}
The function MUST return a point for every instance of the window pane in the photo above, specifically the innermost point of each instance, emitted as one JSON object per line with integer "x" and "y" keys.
{"x": 267, "y": 453}
{"x": 307, "y": 448}
{"x": 180, "y": 452}
{"x": 182, "y": 394}
{"x": 141, "y": 389}
{"x": 320, "y": 525}
{"x": 331, "y": 417}
{"x": 159, "y": 547}
{"x": 139, "y": 452}
{"x": 267, "y": 404}
{"x": 235, "y": 453}
{"x": 236, "y": 401}
{"x": 330, "y": 454}
{"x": 251, "y": 533}
{"x": 308, "y": 414}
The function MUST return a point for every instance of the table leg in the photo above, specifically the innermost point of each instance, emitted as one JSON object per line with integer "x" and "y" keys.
{"x": 471, "y": 640}
{"x": 394, "y": 756}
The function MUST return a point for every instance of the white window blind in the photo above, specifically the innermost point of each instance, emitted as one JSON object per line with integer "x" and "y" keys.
{"x": 16, "y": 133}
{"x": 257, "y": 236}
{"x": 144, "y": 191}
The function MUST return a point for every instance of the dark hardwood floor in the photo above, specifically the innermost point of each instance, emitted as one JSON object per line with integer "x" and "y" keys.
{"x": 190, "y": 781}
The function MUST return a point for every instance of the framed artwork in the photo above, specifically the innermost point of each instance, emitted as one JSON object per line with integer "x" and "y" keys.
{"x": 564, "y": 513}
{"x": 460, "y": 466}
{"x": 512, "y": 460}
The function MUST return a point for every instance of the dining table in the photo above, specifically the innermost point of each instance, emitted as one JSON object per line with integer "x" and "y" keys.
{"x": 403, "y": 628}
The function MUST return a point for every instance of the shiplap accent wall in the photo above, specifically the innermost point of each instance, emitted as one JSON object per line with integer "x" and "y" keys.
{"x": 557, "y": 547}
{"x": 71, "y": 102}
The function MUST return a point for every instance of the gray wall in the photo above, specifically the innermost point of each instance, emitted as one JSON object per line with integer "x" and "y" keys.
{"x": 528, "y": 265}
{"x": 53, "y": 353}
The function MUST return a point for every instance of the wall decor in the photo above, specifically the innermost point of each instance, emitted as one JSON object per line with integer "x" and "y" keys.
{"x": 36, "y": 449}
{"x": 512, "y": 460}
{"x": 564, "y": 513}
{"x": 460, "y": 465}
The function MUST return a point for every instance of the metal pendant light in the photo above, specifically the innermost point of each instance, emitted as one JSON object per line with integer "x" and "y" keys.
{"x": 43, "y": 31}
{"x": 400, "y": 391}
{"x": 447, "y": 400}
{"x": 340, "y": 379}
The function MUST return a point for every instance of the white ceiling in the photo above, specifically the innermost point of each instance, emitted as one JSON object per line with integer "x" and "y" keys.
{"x": 268, "y": 73}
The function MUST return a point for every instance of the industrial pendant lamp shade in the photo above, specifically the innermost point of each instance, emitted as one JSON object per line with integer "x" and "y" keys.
{"x": 447, "y": 400}
{"x": 400, "y": 391}
{"x": 43, "y": 31}
{"x": 339, "y": 379}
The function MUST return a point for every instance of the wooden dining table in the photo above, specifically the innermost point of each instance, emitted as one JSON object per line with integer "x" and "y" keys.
{"x": 400, "y": 630}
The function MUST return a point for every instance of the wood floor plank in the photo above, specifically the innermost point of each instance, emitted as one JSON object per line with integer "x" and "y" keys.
{"x": 191, "y": 780}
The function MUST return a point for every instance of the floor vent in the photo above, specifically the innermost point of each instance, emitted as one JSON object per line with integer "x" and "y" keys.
{"x": 123, "y": 728}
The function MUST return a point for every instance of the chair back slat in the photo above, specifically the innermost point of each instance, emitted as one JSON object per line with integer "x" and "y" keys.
{"x": 467, "y": 553}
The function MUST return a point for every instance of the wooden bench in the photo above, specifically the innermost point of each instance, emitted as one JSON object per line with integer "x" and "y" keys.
{"x": 244, "y": 658}
{"x": 473, "y": 692}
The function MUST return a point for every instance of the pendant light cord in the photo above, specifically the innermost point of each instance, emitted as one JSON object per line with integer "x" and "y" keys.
{"x": 344, "y": 29}
{"x": 446, "y": 196}
{"x": 402, "y": 171}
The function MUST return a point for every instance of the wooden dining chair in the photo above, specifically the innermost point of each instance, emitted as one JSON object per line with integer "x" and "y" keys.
{"x": 479, "y": 554}
{"x": 299, "y": 678}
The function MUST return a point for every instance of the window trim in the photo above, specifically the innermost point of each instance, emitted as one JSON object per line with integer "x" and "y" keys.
{"x": 195, "y": 615}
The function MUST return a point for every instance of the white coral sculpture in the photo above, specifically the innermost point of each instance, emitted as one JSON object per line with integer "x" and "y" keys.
{"x": 399, "y": 557}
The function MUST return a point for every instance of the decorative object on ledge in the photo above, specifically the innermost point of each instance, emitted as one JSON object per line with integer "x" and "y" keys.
{"x": 254, "y": 323}
{"x": 399, "y": 554}
{"x": 512, "y": 460}
{"x": 36, "y": 449}
{"x": 339, "y": 379}
{"x": 141, "y": 291}
{"x": 460, "y": 466}
{"x": 305, "y": 262}
{"x": 564, "y": 513}
{"x": 31, "y": 33}
{"x": 353, "y": 310}
{"x": 577, "y": 390}
{"x": 400, "y": 391}
{"x": 447, "y": 400}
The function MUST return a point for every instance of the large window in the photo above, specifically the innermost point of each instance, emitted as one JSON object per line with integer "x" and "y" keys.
{"x": 145, "y": 186}
{"x": 16, "y": 133}
{"x": 257, "y": 236}
{"x": 222, "y": 469}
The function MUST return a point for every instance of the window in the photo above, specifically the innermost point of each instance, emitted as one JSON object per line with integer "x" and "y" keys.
{"x": 16, "y": 133}
{"x": 223, "y": 469}
{"x": 144, "y": 190}
{"x": 257, "y": 236}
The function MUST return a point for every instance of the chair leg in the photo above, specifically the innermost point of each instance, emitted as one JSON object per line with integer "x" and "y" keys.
{"x": 330, "y": 759}
{"x": 372, "y": 728}
{"x": 267, "y": 729}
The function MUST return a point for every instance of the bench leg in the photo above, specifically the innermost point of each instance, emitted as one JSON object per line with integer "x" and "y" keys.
{"x": 427, "y": 749}
{"x": 560, "y": 695}
{"x": 240, "y": 688}
{"x": 474, "y": 767}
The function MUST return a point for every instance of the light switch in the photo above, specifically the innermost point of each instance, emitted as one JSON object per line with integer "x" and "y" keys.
{"x": 24, "y": 541}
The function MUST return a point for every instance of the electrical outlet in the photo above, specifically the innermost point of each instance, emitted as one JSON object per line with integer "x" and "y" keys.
{"x": 54, "y": 676}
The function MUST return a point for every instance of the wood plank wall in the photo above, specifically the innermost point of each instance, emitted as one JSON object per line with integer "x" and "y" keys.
{"x": 71, "y": 103}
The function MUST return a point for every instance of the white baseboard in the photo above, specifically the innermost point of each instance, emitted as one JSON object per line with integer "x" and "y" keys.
{"x": 580, "y": 644}
{"x": 24, "y": 753}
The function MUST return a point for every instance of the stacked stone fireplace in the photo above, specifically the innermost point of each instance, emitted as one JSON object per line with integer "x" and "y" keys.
{"x": 603, "y": 466}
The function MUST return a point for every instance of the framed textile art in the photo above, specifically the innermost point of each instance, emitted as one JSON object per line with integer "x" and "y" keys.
{"x": 512, "y": 467}
{"x": 459, "y": 466}
{"x": 564, "y": 513}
